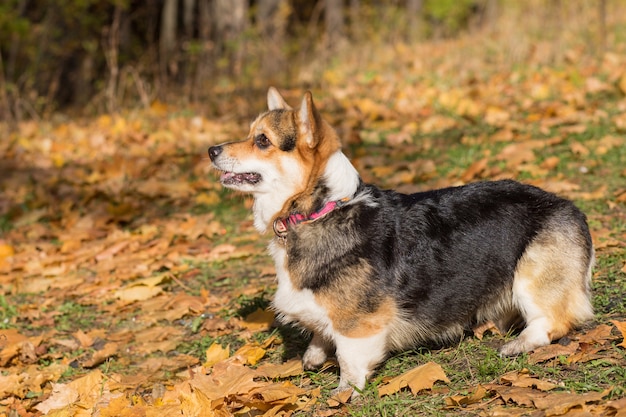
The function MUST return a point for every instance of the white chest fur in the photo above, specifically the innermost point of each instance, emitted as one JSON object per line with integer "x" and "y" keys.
{"x": 295, "y": 305}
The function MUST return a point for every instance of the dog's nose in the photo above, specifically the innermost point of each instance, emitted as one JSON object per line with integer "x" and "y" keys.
{"x": 214, "y": 152}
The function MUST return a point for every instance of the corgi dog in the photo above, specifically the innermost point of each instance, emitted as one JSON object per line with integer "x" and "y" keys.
{"x": 369, "y": 271}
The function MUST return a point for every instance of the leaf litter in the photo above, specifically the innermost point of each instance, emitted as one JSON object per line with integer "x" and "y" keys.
{"x": 119, "y": 253}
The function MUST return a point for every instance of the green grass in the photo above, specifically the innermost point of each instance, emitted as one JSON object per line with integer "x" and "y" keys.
{"x": 73, "y": 316}
{"x": 8, "y": 312}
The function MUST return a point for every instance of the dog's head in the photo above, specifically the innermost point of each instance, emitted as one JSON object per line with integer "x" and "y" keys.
{"x": 284, "y": 154}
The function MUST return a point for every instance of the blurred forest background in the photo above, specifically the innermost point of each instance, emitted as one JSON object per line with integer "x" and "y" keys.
{"x": 101, "y": 55}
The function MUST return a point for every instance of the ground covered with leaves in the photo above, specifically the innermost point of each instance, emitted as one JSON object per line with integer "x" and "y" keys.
{"x": 131, "y": 284}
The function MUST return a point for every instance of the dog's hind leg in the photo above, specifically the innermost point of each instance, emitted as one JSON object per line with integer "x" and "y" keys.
{"x": 551, "y": 288}
{"x": 318, "y": 351}
{"x": 358, "y": 357}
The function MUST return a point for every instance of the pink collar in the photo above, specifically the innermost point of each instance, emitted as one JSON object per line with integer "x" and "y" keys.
{"x": 281, "y": 225}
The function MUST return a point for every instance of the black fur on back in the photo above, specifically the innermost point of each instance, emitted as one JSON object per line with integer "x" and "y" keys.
{"x": 441, "y": 254}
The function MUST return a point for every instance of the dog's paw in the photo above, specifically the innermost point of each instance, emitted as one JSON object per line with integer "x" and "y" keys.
{"x": 509, "y": 349}
{"x": 343, "y": 394}
{"x": 314, "y": 357}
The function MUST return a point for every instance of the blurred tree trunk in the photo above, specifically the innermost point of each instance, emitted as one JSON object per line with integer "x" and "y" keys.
{"x": 334, "y": 19}
{"x": 414, "y": 19}
{"x": 271, "y": 20}
{"x": 189, "y": 7}
{"x": 230, "y": 17}
{"x": 491, "y": 14}
{"x": 5, "y": 106}
{"x": 205, "y": 61}
{"x": 355, "y": 20}
{"x": 167, "y": 39}
{"x": 191, "y": 55}
{"x": 602, "y": 19}
{"x": 112, "y": 54}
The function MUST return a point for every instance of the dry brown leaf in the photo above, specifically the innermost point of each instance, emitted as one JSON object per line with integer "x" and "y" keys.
{"x": 417, "y": 379}
{"x": 228, "y": 378}
{"x": 507, "y": 411}
{"x": 550, "y": 162}
{"x": 598, "y": 334}
{"x": 12, "y": 384}
{"x": 99, "y": 356}
{"x": 616, "y": 406}
{"x": 276, "y": 392}
{"x": 579, "y": 149}
{"x": 559, "y": 403}
{"x": 216, "y": 353}
{"x": 137, "y": 293}
{"x": 86, "y": 390}
{"x": 516, "y": 154}
{"x": 83, "y": 339}
{"x": 586, "y": 353}
{"x": 292, "y": 367}
{"x": 552, "y": 351}
{"x": 340, "y": 398}
{"x": 489, "y": 326}
{"x": 252, "y": 353}
{"x": 621, "y": 326}
{"x": 437, "y": 123}
{"x": 259, "y": 320}
{"x": 476, "y": 396}
{"x": 523, "y": 380}
{"x": 497, "y": 116}
{"x": 520, "y": 396}
{"x": 475, "y": 170}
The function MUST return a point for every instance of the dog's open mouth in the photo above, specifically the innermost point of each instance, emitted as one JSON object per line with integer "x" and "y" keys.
{"x": 232, "y": 178}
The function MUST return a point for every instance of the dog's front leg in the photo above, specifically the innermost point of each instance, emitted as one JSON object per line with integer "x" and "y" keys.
{"x": 318, "y": 351}
{"x": 358, "y": 357}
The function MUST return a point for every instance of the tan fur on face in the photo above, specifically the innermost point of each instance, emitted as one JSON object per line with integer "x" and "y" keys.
{"x": 316, "y": 142}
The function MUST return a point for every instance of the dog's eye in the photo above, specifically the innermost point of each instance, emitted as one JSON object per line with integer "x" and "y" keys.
{"x": 262, "y": 141}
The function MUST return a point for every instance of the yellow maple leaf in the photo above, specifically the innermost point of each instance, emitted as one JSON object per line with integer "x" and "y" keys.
{"x": 251, "y": 353}
{"x": 417, "y": 379}
{"x": 216, "y": 353}
{"x": 258, "y": 320}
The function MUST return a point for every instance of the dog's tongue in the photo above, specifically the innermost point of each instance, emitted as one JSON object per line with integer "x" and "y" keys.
{"x": 233, "y": 178}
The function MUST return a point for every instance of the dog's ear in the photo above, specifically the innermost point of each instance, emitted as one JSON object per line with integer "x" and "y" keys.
{"x": 275, "y": 100}
{"x": 309, "y": 121}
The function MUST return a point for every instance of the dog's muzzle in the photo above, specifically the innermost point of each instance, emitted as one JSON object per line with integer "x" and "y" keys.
{"x": 214, "y": 152}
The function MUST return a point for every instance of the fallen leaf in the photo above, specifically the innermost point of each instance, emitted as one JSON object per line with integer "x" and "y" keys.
{"x": 579, "y": 149}
{"x": 216, "y": 353}
{"x": 292, "y": 367}
{"x": 489, "y": 326}
{"x": 417, "y": 379}
{"x": 99, "y": 356}
{"x": 251, "y": 353}
{"x": 62, "y": 396}
{"x": 475, "y": 170}
{"x": 259, "y": 320}
{"x": 598, "y": 334}
{"x": 340, "y": 398}
{"x": 523, "y": 396}
{"x": 227, "y": 379}
{"x": 476, "y": 396}
{"x": 137, "y": 293}
{"x": 552, "y": 351}
{"x": 621, "y": 326}
{"x": 523, "y": 380}
{"x": 559, "y": 403}
{"x": 86, "y": 389}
